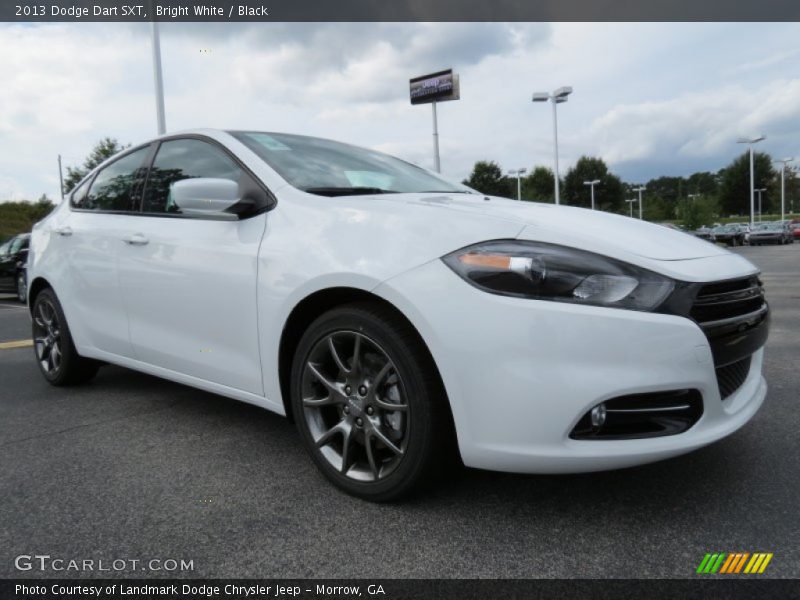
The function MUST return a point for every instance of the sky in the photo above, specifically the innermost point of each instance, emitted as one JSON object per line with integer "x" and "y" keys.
{"x": 650, "y": 99}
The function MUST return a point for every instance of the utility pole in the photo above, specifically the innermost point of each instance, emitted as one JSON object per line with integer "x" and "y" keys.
{"x": 60, "y": 177}
{"x": 157, "y": 78}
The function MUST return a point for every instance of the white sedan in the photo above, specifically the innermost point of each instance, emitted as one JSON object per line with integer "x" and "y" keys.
{"x": 398, "y": 318}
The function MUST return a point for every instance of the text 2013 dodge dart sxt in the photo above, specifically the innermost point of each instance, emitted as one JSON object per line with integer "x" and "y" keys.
{"x": 395, "y": 316}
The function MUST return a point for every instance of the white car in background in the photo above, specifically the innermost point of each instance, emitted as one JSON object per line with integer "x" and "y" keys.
{"x": 398, "y": 318}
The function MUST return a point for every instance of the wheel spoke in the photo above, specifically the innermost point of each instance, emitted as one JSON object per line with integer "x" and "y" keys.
{"x": 354, "y": 364}
{"x": 376, "y": 432}
{"x": 329, "y": 400}
{"x": 371, "y": 456}
{"x": 332, "y": 387}
{"x": 326, "y": 437}
{"x": 336, "y": 358}
{"x": 382, "y": 374}
{"x": 347, "y": 447}
{"x": 389, "y": 406}
{"x": 55, "y": 355}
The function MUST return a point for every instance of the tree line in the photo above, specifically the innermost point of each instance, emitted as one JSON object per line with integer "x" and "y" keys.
{"x": 696, "y": 200}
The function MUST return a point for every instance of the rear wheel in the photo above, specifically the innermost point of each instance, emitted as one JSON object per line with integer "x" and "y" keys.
{"x": 368, "y": 402}
{"x": 22, "y": 288}
{"x": 56, "y": 355}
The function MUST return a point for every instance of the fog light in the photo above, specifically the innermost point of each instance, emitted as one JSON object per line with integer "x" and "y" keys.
{"x": 598, "y": 415}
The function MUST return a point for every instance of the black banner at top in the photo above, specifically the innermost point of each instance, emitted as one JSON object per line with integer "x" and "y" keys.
{"x": 398, "y": 10}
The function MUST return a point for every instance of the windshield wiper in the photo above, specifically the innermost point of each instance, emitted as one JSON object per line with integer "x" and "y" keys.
{"x": 347, "y": 191}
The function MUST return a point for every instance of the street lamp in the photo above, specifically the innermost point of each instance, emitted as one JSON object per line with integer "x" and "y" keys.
{"x": 518, "y": 173}
{"x": 630, "y": 204}
{"x": 557, "y": 97}
{"x": 591, "y": 185}
{"x": 640, "y": 190}
{"x": 759, "y": 190}
{"x": 784, "y": 162}
{"x": 750, "y": 141}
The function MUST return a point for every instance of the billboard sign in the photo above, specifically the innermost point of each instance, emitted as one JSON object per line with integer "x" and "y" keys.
{"x": 436, "y": 87}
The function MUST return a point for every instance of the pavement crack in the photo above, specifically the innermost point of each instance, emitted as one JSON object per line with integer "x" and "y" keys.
{"x": 93, "y": 424}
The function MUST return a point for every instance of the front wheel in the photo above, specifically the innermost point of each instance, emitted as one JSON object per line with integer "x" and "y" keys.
{"x": 368, "y": 402}
{"x": 56, "y": 355}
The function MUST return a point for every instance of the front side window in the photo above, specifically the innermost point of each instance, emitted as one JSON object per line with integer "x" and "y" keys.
{"x": 183, "y": 159}
{"x": 329, "y": 168}
{"x": 117, "y": 186}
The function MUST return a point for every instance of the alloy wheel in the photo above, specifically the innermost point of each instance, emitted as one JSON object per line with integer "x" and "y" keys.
{"x": 355, "y": 406}
{"x": 47, "y": 337}
{"x": 22, "y": 288}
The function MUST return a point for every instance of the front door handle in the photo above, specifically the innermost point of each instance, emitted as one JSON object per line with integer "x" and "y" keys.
{"x": 65, "y": 231}
{"x": 137, "y": 239}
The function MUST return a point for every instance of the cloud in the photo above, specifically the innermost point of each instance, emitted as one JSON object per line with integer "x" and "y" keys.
{"x": 698, "y": 124}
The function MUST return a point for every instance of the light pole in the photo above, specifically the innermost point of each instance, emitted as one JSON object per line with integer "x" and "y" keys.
{"x": 159, "y": 83}
{"x": 759, "y": 190}
{"x": 630, "y": 204}
{"x": 518, "y": 173}
{"x": 784, "y": 162}
{"x": 557, "y": 97}
{"x": 640, "y": 189}
{"x": 591, "y": 185}
{"x": 750, "y": 141}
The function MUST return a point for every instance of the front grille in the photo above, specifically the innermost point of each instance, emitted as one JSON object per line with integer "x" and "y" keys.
{"x": 727, "y": 299}
{"x": 735, "y": 318}
{"x": 731, "y": 377}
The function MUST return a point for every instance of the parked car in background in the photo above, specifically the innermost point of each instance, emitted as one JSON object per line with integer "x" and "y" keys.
{"x": 774, "y": 232}
{"x": 13, "y": 258}
{"x": 794, "y": 224}
{"x": 705, "y": 233}
{"x": 730, "y": 235}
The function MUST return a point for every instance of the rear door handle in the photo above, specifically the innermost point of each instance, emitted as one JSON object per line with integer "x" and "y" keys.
{"x": 65, "y": 231}
{"x": 137, "y": 239}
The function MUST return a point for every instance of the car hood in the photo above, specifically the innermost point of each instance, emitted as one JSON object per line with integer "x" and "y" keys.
{"x": 571, "y": 226}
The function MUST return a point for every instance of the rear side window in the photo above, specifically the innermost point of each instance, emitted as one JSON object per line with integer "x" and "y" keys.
{"x": 118, "y": 186}
{"x": 182, "y": 159}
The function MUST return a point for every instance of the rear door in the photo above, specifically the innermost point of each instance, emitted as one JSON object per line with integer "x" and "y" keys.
{"x": 189, "y": 283}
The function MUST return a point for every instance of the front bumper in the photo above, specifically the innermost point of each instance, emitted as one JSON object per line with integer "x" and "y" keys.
{"x": 520, "y": 373}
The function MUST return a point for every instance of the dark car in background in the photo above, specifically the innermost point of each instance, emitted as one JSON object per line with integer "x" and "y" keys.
{"x": 774, "y": 232}
{"x": 13, "y": 260}
{"x": 730, "y": 235}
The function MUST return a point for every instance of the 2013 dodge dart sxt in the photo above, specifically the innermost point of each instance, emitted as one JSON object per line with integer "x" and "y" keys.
{"x": 397, "y": 317}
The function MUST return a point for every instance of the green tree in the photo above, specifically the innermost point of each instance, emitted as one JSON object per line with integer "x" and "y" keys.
{"x": 538, "y": 185}
{"x": 102, "y": 150}
{"x": 487, "y": 177}
{"x": 697, "y": 212}
{"x": 734, "y": 189}
{"x": 608, "y": 194}
{"x": 19, "y": 217}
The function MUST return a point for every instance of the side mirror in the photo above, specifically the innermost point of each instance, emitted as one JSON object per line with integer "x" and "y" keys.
{"x": 205, "y": 197}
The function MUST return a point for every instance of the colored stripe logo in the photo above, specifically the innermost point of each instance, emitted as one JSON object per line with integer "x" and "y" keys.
{"x": 731, "y": 563}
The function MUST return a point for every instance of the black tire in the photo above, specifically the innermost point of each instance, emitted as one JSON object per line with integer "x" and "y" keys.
{"x": 428, "y": 440}
{"x": 22, "y": 288}
{"x": 69, "y": 368}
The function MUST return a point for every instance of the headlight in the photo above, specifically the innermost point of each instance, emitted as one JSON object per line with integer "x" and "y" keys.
{"x": 550, "y": 272}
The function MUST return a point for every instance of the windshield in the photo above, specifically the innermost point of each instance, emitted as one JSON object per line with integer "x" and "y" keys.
{"x": 331, "y": 168}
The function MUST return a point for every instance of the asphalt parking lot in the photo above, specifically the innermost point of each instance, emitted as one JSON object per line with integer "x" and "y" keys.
{"x": 130, "y": 466}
